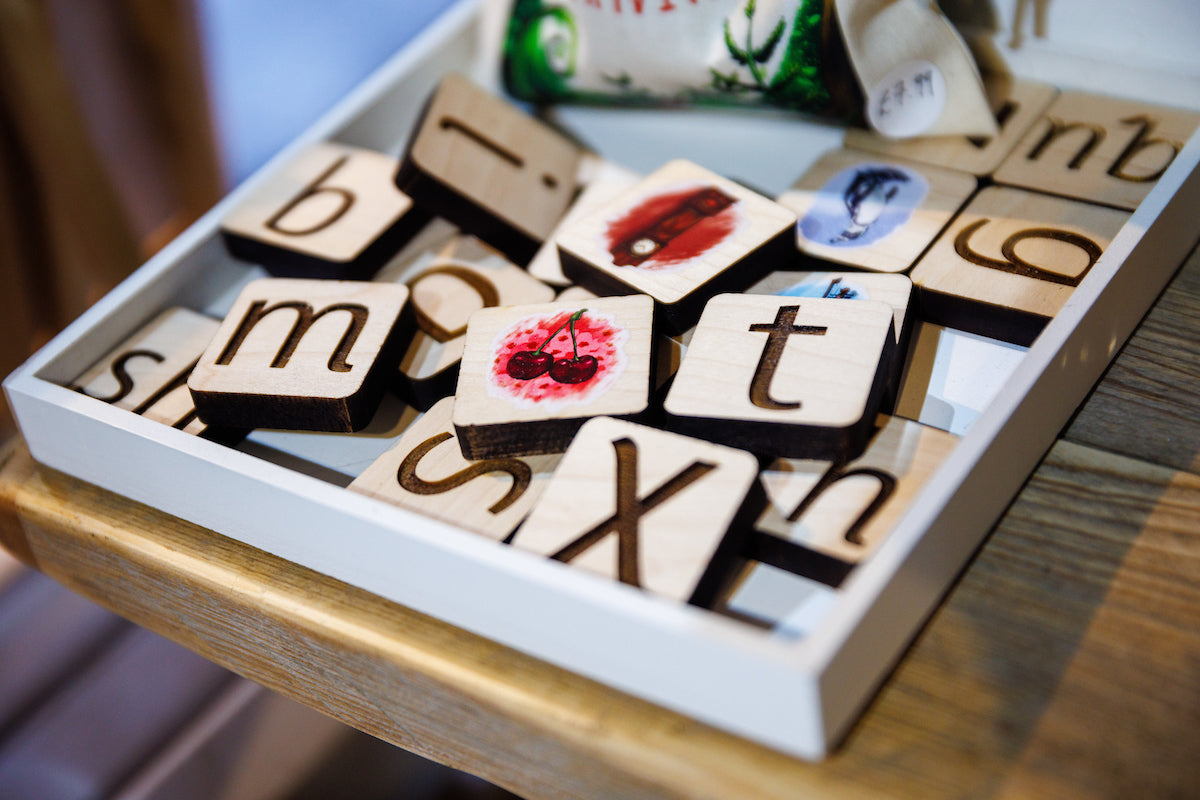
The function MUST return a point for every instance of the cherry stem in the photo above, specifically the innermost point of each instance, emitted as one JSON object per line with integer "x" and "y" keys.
{"x": 554, "y": 333}
{"x": 571, "y": 330}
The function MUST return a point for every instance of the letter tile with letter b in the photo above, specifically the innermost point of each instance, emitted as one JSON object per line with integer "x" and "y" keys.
{"x": 532, "y": 375}
{"x": 1099, "y": 149}
{"x": 1010, "y": 260}
{"x": 872, "y": 212}
{"x": 147, "y": 373}
{"x": 823, "y": 519}
{"x": 448, "y": 283}
{"x": 648, "y": 508}
{"x": 489, "y": 168}
{"x": 333, "y": 212}
{"x": 301, "y": 355}
{"x": 425, "y": 472}
{"x": 681, "y": 235}
{"x": 785, "y": 376}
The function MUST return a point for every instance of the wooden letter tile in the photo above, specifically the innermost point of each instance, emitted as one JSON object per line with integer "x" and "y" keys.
{"x": 302, "y": 355}
{"x": 532, "y": 375}
{"x": 147, "y": 374}
{"x": 1099, "y": 149}
{"x": 866, "y": 212}
{"x": 648, "y": 508}
{"x": 1023, "y": 104}
{"x": 334, "y": 212}
{"x": 785, "y": 376}
{"x": 448, "y": 284}
{"x": 895, "y": 290}
{"x": 822, "y": 520}
{"x": 489, "y": 168}
{"x": 425, "y": 472}
{"x": 681, "y": 236}
{"x": 1007, "y": 264}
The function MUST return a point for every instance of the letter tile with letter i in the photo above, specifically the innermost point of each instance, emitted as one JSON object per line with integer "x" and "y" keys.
{"x": 648, "y": 508}
{"x": 425, "y": 472}
{"x": 785, "y": 376}
{"x": 680, "y": 235}
{"x": 332, "y": 212}
{"x": 1007, "y": 264}
{"x": 489, "y": 168}
{"x": 301, "y": 355}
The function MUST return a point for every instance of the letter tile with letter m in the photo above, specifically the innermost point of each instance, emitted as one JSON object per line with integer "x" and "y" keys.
{"x": 651, "y": 509}
{"x": 301, "y": 355}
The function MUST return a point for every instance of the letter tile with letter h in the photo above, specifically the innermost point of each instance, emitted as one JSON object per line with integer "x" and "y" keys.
{"x": 649, "y": 508}
{"x": 796, "y": 377}
{"x": 333, "y": 212}
{"x": 301, "y": 355}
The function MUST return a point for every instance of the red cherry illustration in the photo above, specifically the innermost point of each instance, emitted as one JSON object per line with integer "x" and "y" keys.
{"x": 525, "y": 365}
{"x": 574, "y": 370}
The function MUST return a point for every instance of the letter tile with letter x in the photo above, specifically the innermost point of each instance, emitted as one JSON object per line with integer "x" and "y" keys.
{"x": 648, "y": 508}
{"x": 425, "y": 472}
{"x": 333, "y": 212}
{"x": 301, "y": 355}
{"x": 1007, "y": 264}
{"x": 788, "y": 376}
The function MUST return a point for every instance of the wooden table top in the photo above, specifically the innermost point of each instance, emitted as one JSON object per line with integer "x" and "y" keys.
{"x": 1064, "y": 663}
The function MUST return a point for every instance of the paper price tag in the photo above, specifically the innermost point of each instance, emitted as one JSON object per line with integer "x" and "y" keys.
{"x": 908, "y": 101}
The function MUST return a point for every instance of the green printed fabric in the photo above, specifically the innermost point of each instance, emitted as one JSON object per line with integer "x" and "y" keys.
{"x": 785, "y": 53}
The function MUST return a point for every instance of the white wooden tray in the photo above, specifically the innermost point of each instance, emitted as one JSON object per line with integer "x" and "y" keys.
{"x": 796, "y": 688}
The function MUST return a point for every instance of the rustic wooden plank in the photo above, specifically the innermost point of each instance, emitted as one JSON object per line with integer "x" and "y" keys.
{"x": 1081, "y": 614}
{"x": 1149, "y": 401}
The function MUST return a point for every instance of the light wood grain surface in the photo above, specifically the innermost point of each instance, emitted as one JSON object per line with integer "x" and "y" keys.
{"x": 1062, "y": 664}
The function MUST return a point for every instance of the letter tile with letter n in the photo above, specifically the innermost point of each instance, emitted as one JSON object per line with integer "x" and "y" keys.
{"x": 823, "y": 519}
{"x": 1010, "y": 260}
{"x": 532, "y": 375}
{"x": 425, "y": 472}
{"x": 785, "y": 376}
{"x": 1021, "y": 105}
{"x": 1099, "y": 149}
{"x": 648, "y": 508}
{"x": 332, "y": 212}
{"x": 871, "y": 212}
{"x": 681, "y": 235}
{"x": 489, "y": 168}
{"x": 448, "y": 283}
{"x": 301, "y": 355}
{"x": 147, "y": 373}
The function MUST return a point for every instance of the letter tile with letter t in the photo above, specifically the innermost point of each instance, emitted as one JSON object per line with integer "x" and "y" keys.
{"x": 822, "y": 519}
{"x": 147, "y": 373}
{"x": 680, "y": 235}
{"x": 1007, "y": 264}
{"x": 1099, "y": 149}
{"x": 425, "y": 472}
{"x": 489, "y": 168}
{"x": 648, "y": 508}
{"x": 873, "y": 212}
{"x": 531, "y": 375}
{"x": 786, "y": 376}
{"x": 301, "y": 355}
{"x": 332, "y": 212}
